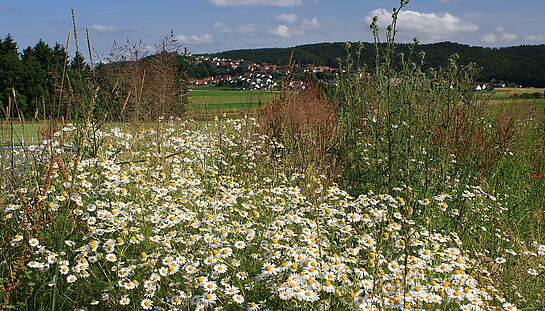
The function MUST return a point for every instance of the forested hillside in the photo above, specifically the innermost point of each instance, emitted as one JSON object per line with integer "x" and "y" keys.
{"x": 523, "y": 65}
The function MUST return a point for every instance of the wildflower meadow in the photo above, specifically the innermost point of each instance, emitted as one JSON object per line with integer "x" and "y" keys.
{"x": 201, "y": 217}
{"x": 397, "y": 187}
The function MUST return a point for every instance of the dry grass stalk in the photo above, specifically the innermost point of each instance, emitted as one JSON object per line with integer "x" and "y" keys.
{"x": 145, "y": 88}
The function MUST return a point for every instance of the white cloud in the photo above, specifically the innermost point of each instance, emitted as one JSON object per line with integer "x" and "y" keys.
{"x": 507, "y": 36}
{"x": 535, "y": 38}
{"x": 489, "y": 38}
{"x": 195, "y": 39}
{"x": 149, "y": 49}
{"x": 283, "y": 31}
{"x": 282, "y": 3}
{"x": 500, "y": 36}
{"x": 308, "y": 24}
{"x": 103, "y": 28}
{"x": 288, "y": 18}
{"x": 245, "y": 28}
{"x": 436, "y": 26}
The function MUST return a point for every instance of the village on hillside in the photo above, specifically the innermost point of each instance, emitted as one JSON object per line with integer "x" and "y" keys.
{"x": 241, "y": 75}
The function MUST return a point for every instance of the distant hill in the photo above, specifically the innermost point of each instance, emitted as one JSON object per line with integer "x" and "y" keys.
{"x": 523, "y": 64}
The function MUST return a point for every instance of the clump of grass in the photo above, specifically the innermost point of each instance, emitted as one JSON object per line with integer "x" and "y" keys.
{"x": 138, "y": 86}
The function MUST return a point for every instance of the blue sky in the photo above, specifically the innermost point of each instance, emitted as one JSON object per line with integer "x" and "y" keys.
{"x": 216, "y": 25}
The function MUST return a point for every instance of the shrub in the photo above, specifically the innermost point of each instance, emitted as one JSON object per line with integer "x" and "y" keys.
{"x": 305, "y": 123}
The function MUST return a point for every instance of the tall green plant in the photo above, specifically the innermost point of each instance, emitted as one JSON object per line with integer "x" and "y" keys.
{"x": 397, "y": 122}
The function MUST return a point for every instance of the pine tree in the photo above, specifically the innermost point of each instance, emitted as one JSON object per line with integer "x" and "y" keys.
{"x": 11, "y": 73}
{"x": 78, "y": 63}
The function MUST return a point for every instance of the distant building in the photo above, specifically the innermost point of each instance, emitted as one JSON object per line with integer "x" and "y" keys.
{"x": 480, "y": 86}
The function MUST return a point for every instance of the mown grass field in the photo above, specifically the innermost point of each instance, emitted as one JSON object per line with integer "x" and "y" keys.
{"x": 206, "y": 98}
{"x": 18, "y": 133}
{"x": 509, "y": 93}
{"x": 28, "y": 132}
{"x": 207, "y": 102}
{"x": 507, "y": 101}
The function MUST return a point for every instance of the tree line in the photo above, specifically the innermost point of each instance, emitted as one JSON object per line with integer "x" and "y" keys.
{"x": 520, "y": 64}
{"x": 31, "y": 76}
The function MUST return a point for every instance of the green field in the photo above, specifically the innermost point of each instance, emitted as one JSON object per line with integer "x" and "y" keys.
{"x": 19, "y": 133}
{"x": 509, "y": 93}
{"x": 28, "y": 132}
{"x": 208, "y": 98}
{"x": 207, "y": 101}
{"x": 203, "y": 100}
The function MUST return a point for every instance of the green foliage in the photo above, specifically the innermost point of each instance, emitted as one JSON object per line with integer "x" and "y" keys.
{"x": 534, "y": 95}
{"x": 78, "y": 63}
{"x": 198, "y": 71}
